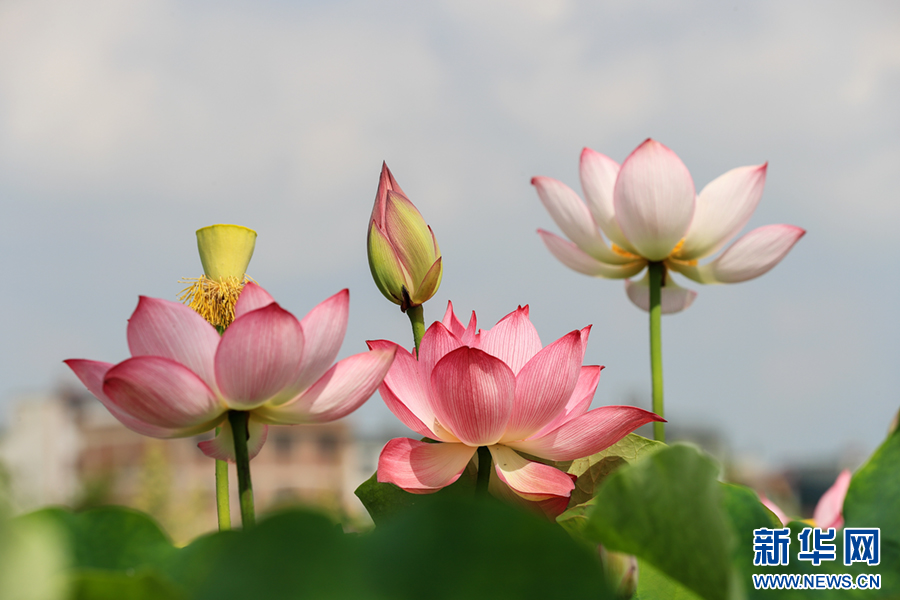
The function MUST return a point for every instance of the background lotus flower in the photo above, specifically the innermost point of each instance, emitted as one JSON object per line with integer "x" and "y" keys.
{"x": 829, "y": 511}
{"x": 650, "y": 212}
{"x": 496, "y": 388}
{"x": 403, "y": 255}
{"x": 184, "y": 377}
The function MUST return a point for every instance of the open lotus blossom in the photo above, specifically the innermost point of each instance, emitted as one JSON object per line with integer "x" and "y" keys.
{"x": 501, "y": 389}
{"x": 183, "y": 377}
{"x": 829, "y": 511}
{"x": 650, "y": 212}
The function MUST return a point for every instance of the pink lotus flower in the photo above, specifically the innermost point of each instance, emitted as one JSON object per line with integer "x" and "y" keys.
{"x": 497, "y": 388}
{"x": 830, "y": 508}
{"x": 650, "y": 212}
{"x": 183, "y": 377}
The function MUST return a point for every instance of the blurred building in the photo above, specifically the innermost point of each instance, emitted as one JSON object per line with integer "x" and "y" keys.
{"x": 66, "y": 448}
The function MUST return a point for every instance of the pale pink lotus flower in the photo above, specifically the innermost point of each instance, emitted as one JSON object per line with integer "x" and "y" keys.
{"x": 183, "y": 377}
{"x": 500, "y": 389}
{"x": 650, "y": 212}
{"x": 829, "y": 511}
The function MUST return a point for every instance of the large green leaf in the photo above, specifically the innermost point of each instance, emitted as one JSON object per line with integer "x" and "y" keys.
{"x": 873, "y": 500}
{"x": 455, "y": 548}
{"x": 592, "y": 470}
{"x": 667, "y": 510}
{"x": 111, "y": 537}
{"x": 745, "y": 513}
{"x": 385, "y": 500}
{"x": 448, "y": 548}
{"x": 89, "y": 584}
{"x": 294, "y": 554}
{"x": 33, "y": 554}
{"x": 654, "y": 585}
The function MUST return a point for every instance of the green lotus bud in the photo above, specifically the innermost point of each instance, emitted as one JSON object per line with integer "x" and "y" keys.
{"x": 403, "y": 255}
{"x": 621, "y": 572}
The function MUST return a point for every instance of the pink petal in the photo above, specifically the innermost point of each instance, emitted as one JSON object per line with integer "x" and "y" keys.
{"x": 755, "y": 253}
{"x": 829, "y": 510}
{"x": 468, "y": 334}
{"x": 323, "y": 333}
{"x": 673, "y": 298}
{"x": 422, "y": 468}
{"x": 576, "y": 259}
{"x": 585, "y": 334}
{"x": 452, "y": 323}
{"x": 774, "y": 508}
{"x": 598, "y": 180}
{"x": 175, "y": 331}
{"x": 386, "y": 183}
{"x": 654, "y": 200}
{"x": 435, "y": 344}
{"x": 259, "y": 358}
{"x": 533, "y": 481}
{"x": 337, "y": 393}
{"x": 91, "y": 374}
{"x": 473, "y": 395}
{"x": 551, "y": 508}
{"x": 252, "y": 297}
{"x": 514, "y": 340}
{"x": 579, "y": 401}
{"x": 472, "y": 336}
{"x": 588, "y": 434}
{"x": 544, "y": 386}
{"x": 723, "y": 208}
{"x": 221, "y": 447}
{"x": 575, "y": 220}
{"x": 164, "y": 393}
{"x": 403, "y": 391}
{"x": 408, "y": 418}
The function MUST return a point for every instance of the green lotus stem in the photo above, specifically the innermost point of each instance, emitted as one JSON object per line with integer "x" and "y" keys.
{"x": 484, "y": 471}
{"x": 223, "y": 501}
{"x": 239, "y": 422}
{"x": 223, "y": 505}
{"x": 417, "y": 317}
{"x": 657, "y": 271}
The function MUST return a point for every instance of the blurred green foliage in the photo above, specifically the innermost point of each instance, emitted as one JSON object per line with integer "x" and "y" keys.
{"x": 692, "y": 536}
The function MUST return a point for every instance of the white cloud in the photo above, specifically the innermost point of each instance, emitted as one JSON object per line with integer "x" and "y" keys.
{"x": 102, "y": 97}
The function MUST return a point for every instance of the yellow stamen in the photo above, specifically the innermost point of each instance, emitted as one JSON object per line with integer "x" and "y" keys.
{"x": 622, "y": 252}
{"x": 673, "y": 255}
{"x": 213, "y": 299}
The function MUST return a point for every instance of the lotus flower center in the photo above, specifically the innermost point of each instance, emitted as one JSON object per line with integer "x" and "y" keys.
{"x": 676, "y": 251}
{"x": 213, "y": 299}
{"x": 622, "y": 252}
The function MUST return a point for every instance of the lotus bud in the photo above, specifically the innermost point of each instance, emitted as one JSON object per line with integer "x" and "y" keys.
{"x": 621, "y": 572}
{"x": 225, "y": 252}
{"x": 403, "y": 255}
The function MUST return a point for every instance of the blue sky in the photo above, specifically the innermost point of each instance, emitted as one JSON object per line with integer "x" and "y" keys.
{"x": 125, "y": 127}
